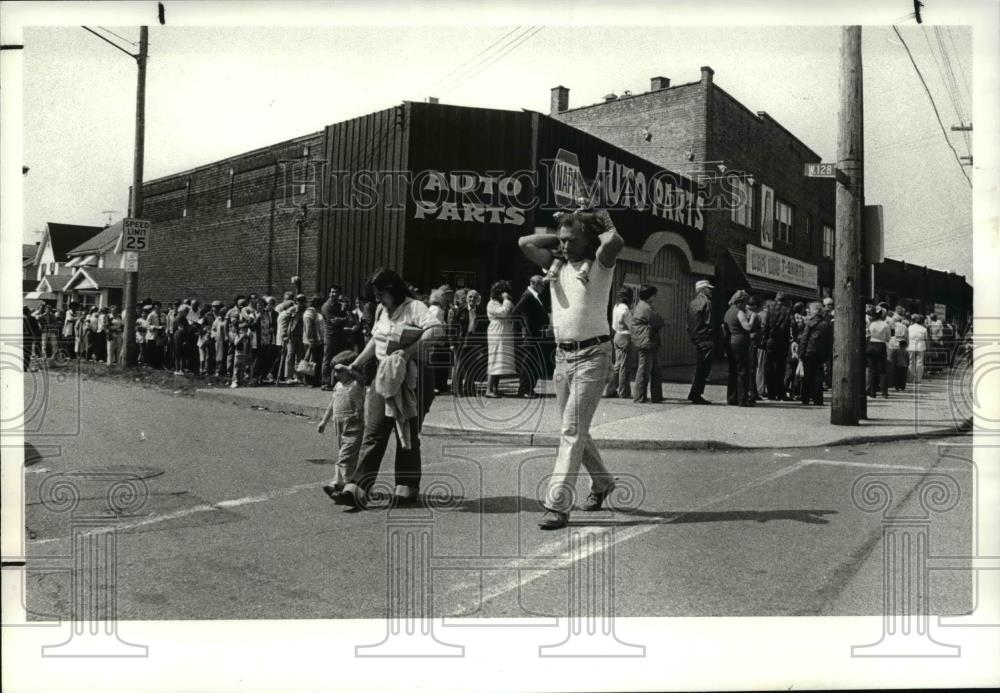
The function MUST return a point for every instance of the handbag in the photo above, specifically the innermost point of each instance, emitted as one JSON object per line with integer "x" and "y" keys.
{"x": 306, "y": 368}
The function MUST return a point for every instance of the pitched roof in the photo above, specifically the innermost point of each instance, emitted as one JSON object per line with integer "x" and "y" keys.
{"x": 28, "y": 251}
{"x": 66, "y": 237}
{"x": 106, "y": 238}
{"x": 100, "y": 277}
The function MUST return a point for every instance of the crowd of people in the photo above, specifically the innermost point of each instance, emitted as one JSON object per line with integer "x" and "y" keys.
{"x": 776, "y": 349}
{"x": 386, "y": 355}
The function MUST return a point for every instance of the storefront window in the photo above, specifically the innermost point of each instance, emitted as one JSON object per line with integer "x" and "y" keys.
{"x": 783, "y": 221}
{"x": 827, "y": 241}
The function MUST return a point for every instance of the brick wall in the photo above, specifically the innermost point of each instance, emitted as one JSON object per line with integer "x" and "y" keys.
{"x": 230, "y": 227}
{"x": 757, "y": 144}
{"x": 666, "y": 127}
{"x": 691, "y": 128}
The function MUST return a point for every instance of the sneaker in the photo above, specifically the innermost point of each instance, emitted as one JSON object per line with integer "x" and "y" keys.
{"x": 553, "y": 520}
{"x": 596, "y": 498}
{"x": 233, "y": 386}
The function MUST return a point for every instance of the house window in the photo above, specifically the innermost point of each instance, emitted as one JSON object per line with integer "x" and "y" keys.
{"x": 742, "y": 208}
{"x": 827, "y": 241}
{"x": 783, "y": 221}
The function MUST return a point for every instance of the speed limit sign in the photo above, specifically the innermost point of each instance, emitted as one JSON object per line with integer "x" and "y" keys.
{"x": 135, "y": 235}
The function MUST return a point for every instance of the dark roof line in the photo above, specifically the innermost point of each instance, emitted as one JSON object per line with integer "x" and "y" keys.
{"x": 241, "y": 155}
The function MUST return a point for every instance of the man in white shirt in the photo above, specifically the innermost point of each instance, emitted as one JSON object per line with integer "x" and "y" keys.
{"x": 621, "y": 324}
{"x": 583, "y": 351}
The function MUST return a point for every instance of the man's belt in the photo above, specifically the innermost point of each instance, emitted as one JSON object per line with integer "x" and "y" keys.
{"x": 576, "y": 346}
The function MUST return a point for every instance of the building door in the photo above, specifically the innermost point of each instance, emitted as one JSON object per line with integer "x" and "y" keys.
{"x": 675, "y": 289}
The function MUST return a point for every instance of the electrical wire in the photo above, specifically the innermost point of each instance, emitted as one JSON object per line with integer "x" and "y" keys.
{"x": 473, "y": 58}
{"x": 934, "y": 106}
{"x": 961, "y": 64}
{"x": 107, "y": 40}
{"x": 119, "y": 36}
{"x": 964, "y": 113}
{"x": 948, "y": 79}
{"x": 522, "y": 39}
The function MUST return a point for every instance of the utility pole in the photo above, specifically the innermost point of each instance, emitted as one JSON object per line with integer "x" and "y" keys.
{"x": 135, "y": 209}
{"x": 848, "y": 338}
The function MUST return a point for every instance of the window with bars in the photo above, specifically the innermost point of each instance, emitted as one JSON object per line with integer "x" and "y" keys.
{"x": 783, "y": 221}
{"x": 828, "y": 241}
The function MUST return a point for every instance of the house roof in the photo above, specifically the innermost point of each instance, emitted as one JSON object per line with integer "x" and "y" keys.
{"x": 28, "y": 251}
{"x": 106, "y": 239}
{"x": 96, "y": 278}
{"x": 66, "y": 237}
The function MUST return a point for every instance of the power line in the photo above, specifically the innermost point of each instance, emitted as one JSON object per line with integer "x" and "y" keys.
{"x": 118, "y": 35}
{"x": 106, "y": 40}
{"x": 526, "y": 36}
{"x": 961, "y": 64}
{"x": 464, "y": 74}
{"x": 934, "y": 106}
{"x": 473, "y": 58}
{"x": 948, "y": 79}
{"x": 964, "y": 114}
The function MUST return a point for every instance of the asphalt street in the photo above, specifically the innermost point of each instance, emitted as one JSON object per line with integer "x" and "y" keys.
{"x": 236, "y": 527}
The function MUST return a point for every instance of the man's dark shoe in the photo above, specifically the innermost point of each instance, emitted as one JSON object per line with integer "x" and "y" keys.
{"x": 698, "y": 400}
{"x": 333, "y": 490}
{"x": 553, "y": 520}
{"x": 596, "y": 499}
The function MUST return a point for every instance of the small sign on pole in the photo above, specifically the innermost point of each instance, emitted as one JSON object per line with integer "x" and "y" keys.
{"x": 130, "y": 261}
{"x": 874, "y": 233}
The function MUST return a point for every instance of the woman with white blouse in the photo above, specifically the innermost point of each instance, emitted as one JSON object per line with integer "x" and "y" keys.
{"x": 879, "y": 334}
{"x": 500, "y": 337}
{"x": 917, "y": 346}
{"x": 397, "y": 311}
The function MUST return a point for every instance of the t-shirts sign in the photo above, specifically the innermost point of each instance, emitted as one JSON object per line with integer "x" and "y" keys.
{"x": 771, "y": 265}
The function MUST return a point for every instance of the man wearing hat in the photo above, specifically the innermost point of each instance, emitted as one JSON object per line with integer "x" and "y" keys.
{"x": 701, "y": 329}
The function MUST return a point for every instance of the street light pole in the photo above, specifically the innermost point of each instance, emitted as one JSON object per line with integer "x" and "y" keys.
{"x": 848, "y": 337}
{"x": 135, "y": 208}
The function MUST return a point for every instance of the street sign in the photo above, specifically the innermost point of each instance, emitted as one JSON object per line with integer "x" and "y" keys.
{"x": 131, "y": 261}
{"x": 135, "y": 234}
{"x": 874, "y": 233}
{"x": 821, "y": 170}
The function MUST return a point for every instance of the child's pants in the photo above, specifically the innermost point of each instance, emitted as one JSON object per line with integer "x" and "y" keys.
{"x": 349, "y": 434}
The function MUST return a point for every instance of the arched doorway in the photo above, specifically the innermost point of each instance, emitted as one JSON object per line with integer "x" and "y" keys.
{"x": 668, "y": 272}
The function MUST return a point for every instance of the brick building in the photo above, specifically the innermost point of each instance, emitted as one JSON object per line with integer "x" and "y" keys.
{"x": 764, "y": 216}
{"x": 231, "y": 226}
{"x": 441, "y": 193}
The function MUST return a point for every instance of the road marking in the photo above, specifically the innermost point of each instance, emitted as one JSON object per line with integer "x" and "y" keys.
{"x": 233, "y": 503}
{"x": 878, "y": 465}
{"x": 204, "y": 508}
{"x": 557, "y": 547}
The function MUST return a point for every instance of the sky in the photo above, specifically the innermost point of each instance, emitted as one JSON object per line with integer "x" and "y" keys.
{"x": 213, "y": 92}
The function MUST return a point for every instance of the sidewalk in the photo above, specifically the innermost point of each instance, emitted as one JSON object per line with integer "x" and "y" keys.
{"x": 938, "y": 407}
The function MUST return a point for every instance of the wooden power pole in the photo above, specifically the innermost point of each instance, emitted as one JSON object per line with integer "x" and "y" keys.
{"x": 849, "y": 325}
{"x": 132, "y": 278}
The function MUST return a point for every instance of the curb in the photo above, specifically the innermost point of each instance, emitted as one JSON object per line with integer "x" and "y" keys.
{"x": 551, "y": 440}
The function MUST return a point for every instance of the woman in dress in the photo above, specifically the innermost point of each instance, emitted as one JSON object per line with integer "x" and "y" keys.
{"x": 500, "y": 337}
